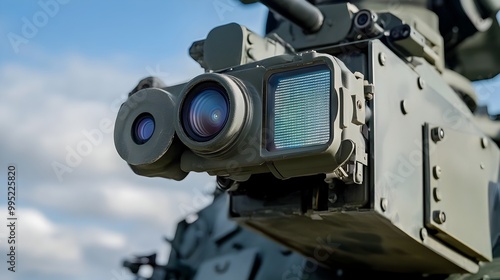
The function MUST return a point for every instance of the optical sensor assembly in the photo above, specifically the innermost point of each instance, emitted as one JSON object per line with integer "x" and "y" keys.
{"x": 269, "y": 116}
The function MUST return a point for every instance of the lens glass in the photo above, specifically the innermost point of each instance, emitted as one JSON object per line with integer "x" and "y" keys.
{"x": 205, "y": 113}
{"x": 143, "y": 128}
{"x": 362, "y": 19}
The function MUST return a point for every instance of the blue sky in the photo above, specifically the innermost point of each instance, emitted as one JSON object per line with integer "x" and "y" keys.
{"x": 65, "y": 66}
{"x": 69, "y": 66}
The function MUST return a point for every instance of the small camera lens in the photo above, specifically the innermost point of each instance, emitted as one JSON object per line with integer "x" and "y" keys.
{"x": 363, "y": 19}
{"x": 143, "y": 128}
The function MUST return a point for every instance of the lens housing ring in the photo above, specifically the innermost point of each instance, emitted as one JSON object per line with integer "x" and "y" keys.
{"x": 152, "y": 102}
{"x": 236, "y": 117}
{"x": 365, "y": 19}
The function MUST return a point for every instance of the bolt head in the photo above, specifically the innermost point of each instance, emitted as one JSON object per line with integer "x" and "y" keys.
{"x": 437, "y": 134}
{"x": 442, "y": 217}
{"x": 439, "y": 217}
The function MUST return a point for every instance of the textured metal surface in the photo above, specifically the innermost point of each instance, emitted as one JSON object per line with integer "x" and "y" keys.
{"x": 351, "y": 239}
{"x": 459, "y": 168}
{"x": 397, "y": 151}
{"x": 216, "y": 257}
{"x": 335, "y": 28}
{"x": 396, "y": 213}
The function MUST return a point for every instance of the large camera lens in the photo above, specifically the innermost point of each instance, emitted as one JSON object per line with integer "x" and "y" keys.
{"x": 212, "y": 111}
{"x": 205, "y": 112}
{"x": 143, "y": 128}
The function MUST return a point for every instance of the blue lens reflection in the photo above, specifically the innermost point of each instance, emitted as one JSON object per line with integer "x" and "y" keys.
{"x": 207, "y": 114}
{"x": 144, "y": 128}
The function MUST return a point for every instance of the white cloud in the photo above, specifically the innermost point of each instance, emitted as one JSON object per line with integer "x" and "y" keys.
{"x": 156, "y": 207}
{"x": 56, "y": 104}
{"x": 101, "y": 212}
{"x": 44, "y": 247}
{"x": 52, "y": 250}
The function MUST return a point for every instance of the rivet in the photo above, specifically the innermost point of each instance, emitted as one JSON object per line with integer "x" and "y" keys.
{"x": 384, "y": 204}
{"x": 423, "y": 234}
{"x": 437, "y": 194}
{"x": 360, "y": 104}
{"x": 404, "y": 107}
{"x": 436, "y": 171}
{"x": 332, "y": 197}
{"x": 484, "y": 142}
{"x": 251, "y": 52}
{"x": 251, "y": 38}
{"x": 421, "y": 83}
{"x": 382, "y": 58}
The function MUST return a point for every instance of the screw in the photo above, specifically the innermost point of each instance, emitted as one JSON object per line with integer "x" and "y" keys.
{"x": 251, "y": 38}
{"x": 437, "y": 171}
{"x": 251, "y": 53}
{"x": 358, "y": 75}
{"x": 438, "y": 196}
{"x": 437, "y": 134}
{"x": 382, "y": 58}
{"x": 383, "y": 204}
{"x": 484, "y": 142}
{"x": 404, "y": 107}
{"x": 421, "y": 83}
{"x": 439, "y": 217}
{"x": 360, "y": 104}
{"x": 423, "y": 234}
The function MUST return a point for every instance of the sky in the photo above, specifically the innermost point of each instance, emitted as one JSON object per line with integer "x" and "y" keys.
{"x": 65, "y": 67}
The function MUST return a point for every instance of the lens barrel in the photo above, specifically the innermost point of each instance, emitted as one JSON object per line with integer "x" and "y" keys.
{"x": 145, "y": 134}
{"x": 212, "y": 111}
